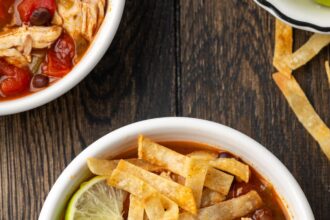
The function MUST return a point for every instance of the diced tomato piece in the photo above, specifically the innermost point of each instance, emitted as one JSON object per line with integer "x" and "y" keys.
{"x": 4, "y": 15}
{"x": 13, "y": 79}
{"x": 26, "y": 8}
{"x": 60, "y": 56}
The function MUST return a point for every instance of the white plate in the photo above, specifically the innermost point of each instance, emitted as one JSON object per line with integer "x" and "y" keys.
{"x": 302, "y": 14}
{"x": 180, "y": 129}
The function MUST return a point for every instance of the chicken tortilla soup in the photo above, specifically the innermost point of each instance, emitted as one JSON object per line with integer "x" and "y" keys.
{"x": 41, "y": 41}
{"x": 175, "y": 180}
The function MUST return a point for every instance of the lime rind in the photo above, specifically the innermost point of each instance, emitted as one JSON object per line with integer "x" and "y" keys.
{"x": 323, "y": 2}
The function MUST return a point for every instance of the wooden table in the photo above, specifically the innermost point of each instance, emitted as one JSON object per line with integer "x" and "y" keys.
{"x": 207, "y": 59}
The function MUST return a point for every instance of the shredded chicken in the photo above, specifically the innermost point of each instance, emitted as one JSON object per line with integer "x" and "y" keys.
{"x": 80, "y": 17}
{"x": 16, "y": 44}
{"x": 14, "y": 57}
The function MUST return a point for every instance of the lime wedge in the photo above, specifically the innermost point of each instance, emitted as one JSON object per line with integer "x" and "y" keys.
{"x": 96, "y": 200}
{"x": 323, "y": 2}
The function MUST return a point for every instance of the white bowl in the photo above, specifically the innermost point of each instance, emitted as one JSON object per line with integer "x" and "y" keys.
{"x": 180, "y": 129}
{"x": 302, "y": 14}
{"x": 95, "y": 52}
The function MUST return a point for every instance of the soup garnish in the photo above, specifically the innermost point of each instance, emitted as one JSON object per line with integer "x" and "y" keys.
{"x": 199, "y": 183}
{"x": 286, "y": 61}
{"x": 42, "y": 40}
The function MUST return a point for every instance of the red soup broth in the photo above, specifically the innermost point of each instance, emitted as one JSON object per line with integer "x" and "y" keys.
{"x": 273, "y": 207}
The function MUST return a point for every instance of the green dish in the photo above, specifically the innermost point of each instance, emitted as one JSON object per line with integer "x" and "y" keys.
{"x": 323, "y": 2}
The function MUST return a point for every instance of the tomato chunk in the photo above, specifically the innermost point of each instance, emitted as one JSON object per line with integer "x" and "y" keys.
{"x": 27, "y": 7}
{"x": 4, "y": 15}
{"x": 60, "y": 56}
{"x": 13, "y": 80}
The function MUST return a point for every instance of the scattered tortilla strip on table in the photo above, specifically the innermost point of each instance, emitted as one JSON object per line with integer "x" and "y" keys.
{"x": 228, "y": 210}
{"x": 181, "y": 195}
{"x": 196, "y": 173}
{"x": 161, "y": 156}
{"x": 210, "y": 197}
{"x": 177, "y": 163}
{"x": 283, "y": 47}
{"x": 103, "y": 167}
{"x": 136, "y": 209}
{"x": 156, "y": 205}
{"x": 232, "y": 166}
{"x": 203, "y": 155}
{"x": 327, "y": 70}
{"x": 310, "y": 49}
{"x": 304, "y": 111}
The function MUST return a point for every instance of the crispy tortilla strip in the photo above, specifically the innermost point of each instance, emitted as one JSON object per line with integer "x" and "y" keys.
{"x": 154, "y": 207}
{"x": 327, "y": 70}
{"x": 218, "y": 181}
{"x": 232, "y": 166}
{"x": 203, "y": 155}
{"x": 228, "y": 210}
{"x": 283, "y": 47}
{"x": 171, "y": 209}
{"x": 304, "y": 111}
{"x": 131, "y": 184}
{"x": 136, "y": 210}
{"x": 145, "y": 165}
{"x": 210, "y": 197}
{"x": 310, "y": 49}
{"x": 161, "y": 156}
{"x": 196, "y": 174}
{"x": 102, "y": 167}
{"x": 176, "y": 163}
{"x": 181, "y": 195}
{"x": 154, "y": 203}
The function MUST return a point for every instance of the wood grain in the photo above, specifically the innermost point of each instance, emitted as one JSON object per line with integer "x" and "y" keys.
{"x": 208, "y": 59}
{"x": 226, "y": 53}
{"x": 135, "y": 80}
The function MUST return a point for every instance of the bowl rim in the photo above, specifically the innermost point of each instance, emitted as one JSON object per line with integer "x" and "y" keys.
{"x": 96, "y": 50}
{"x": 290, "y": 20}
{"x": 108, "y": 142}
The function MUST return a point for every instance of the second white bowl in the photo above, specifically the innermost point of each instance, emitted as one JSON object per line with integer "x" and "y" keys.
{"x": 96, "y": 50}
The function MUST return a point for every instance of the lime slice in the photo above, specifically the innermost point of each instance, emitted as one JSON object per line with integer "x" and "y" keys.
{"x": 323, "y": 2}
{"x": 96, "y": 200}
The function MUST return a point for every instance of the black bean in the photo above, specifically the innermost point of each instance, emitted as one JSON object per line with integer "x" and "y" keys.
{"x": 40, "y": 81}
{"x": 239, "y": 189}
{"x": 224, "y": 155}
{"x": 40, "y": 17}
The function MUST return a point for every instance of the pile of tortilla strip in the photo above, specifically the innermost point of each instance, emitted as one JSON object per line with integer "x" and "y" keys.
{"x": 166, "y": 185}
{"x": 285, "y": 61}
